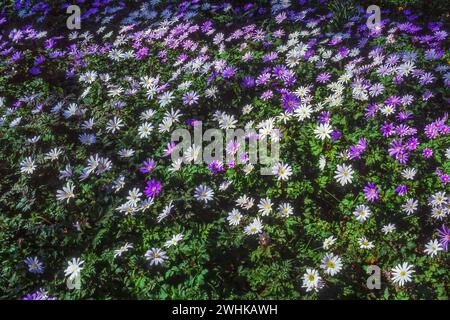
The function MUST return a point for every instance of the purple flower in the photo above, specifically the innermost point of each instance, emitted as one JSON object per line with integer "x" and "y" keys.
{"x": 216, "y": 166}
{"x": 427, "y": 153}
{"x": 153, "y": 188}
{"x": 141, "y": 53}
{"x": 169, "y": 149}
{"x": 402, "y": 157}
{"x": 149, "y": 165}
{"x": 396, "y": 147}
{"x": 229, "y": 72}
{"x": 324, "y": 117}
{"x": 444, "y": 236}
{"x": 357, "y": 150}
{"x": 335, "y": 135}
{"x": 323, "y": 77}
{"x": 371, "y": 192}
{"x": 34, "y": 265}
{"x": 412, "y": 144}
{"x": 401, "y": 190}
{"x": 387, "y": 129}
{"x": 445, "y": 178}
{"x": 290, "y": 102}
{"x": 248, "y": 82}
{"x": 190, "y": 98}
{"x": 38, "y": 295}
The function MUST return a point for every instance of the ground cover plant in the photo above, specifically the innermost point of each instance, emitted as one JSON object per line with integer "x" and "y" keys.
{"x": 95, "y": 204}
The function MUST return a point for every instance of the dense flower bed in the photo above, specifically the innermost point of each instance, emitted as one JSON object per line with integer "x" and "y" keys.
{"x": 92, "y": 204}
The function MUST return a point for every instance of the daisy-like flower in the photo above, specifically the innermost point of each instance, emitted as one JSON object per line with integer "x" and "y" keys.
{"x": 283, "y": 171}
{"x": 134, "y": 196}
{"x": 53, "y": 154}
{"x": 27, "y": 165}
{"x": 234, "y": 217}
{"x": 447, "y": 153}
{"x": 331, "y": 264}
{"x": 66, "y": 193}
{"x": 409, "y": 173}
{"x": 265, "y": 206}
{"x": 322, "y": 162}
{"x": 174, "y": 241}
{"x": 254, "y": 228}
{"x": 176, "y": 165}
{"x": 402, "y": 273}
{"x": 190, "y": 98}
{"x": 156, "y": 256}
{"x": 362, "y": 213}
{"x": 192, "y": 153}
{"x": 323, "y": 131}
{"x": 433, "y": 247}
{"x": 410, "y": 206}
{"x": 344, "y": 174}
{"x": 303, "y": 112}
{"x": 365, "y": 244}
{"x": 312, "y": 281}
{"x": 389, "y": 228}
{"x": 74, "y": 268}
{"x": 118, "y": 252}
{"x": 285, "y": 210}
{"x": 328, "y": 242}
{"x": 145, "y": 130}
{"x": 203, "y": 193}
{"x": 34, "y": 265}
{"x": 114, "y": 125}
{"x": 165, "y": 212}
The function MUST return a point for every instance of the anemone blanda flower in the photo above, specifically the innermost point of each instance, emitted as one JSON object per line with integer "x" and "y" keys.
{"x": 402, "y": 273}
{"x": 153, "y": 188}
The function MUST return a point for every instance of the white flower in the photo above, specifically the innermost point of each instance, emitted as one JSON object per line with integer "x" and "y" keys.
{"x": 344, "y": 174}
{"x": 53, "y": 154}
{"x": 192, "y": 153}
{"x": 283, "y": 171}
{"x": 432, "y": 247}
{"x": 410, "y": 206}
{"x": 401, "y": 274}
{"x": 66, "y": 193}
{"x": 438, "y": 199}
{"x": 165, "y": 212}
{"x": 365, "y": 244}
{"x": 254, "y": 228}
{"x": 409, "y": 173}
{"x": 331, "y": 264}
{"x": 174, "y": 241}
{"x": 27, "y": 166}
{"x": 176, "y": 165}
{"x": 144, "y": 130}
{"x": 285, "y": 210}
{"x": 328, "y": 242}
{"x": 265, "y": 206}
{"x": 362, "y": 213}
{"x": 134, "y": 196}
{"x": 322, "y": 162}
{"x": 447, "y": 153}
{"x": 74, "y": 268}
{"x": 155, "y": 256}
{"x": 312, "y": 280}
{"x": 389, "y": 228}
{"x": 166, "y": 98}
{"x": 303, "y": 112}
{"x": 114, "y": 125}
{"x": 122, "y": 249}
{"x": 323, "y": 131}
{"x": 234, "y": 217}
{"x": 203, "y": 193}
